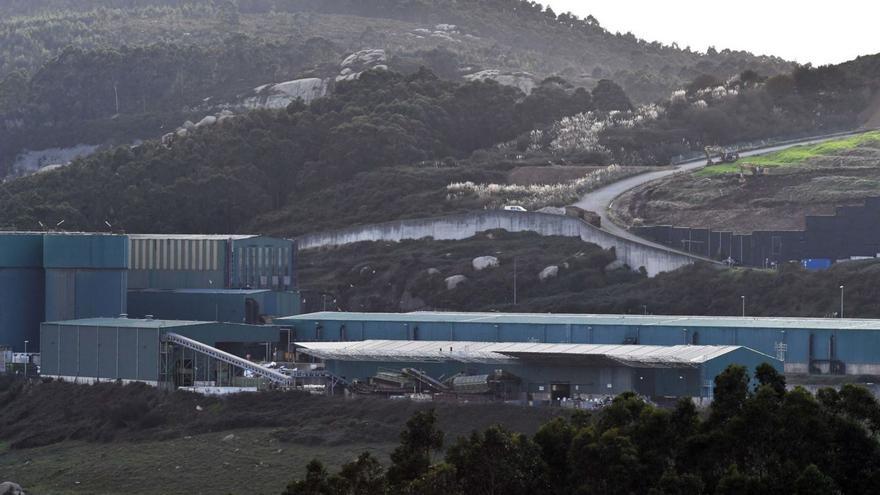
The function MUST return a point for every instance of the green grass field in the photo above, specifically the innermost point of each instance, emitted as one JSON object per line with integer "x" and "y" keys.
{"x": 250, "y": 461}
{"x": 795, "y": 155}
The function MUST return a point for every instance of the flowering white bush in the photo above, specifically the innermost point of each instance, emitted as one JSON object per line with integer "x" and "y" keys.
{"x": 536, "y": 196}
{"x": 717, "y": 93}
{"x": 581, "y": 132}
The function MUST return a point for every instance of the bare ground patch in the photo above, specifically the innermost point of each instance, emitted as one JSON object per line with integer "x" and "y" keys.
{"x": 779, "y": 200}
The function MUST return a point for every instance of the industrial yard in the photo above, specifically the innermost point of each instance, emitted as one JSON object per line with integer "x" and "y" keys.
{"x": 222, "y": 314}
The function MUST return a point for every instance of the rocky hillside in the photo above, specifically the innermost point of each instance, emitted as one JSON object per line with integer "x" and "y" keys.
{"x": 566, "y": 275}
{"x": 468, "y": 275}
{"x": 99, "y": 72}
{"x": 510, "y": 40}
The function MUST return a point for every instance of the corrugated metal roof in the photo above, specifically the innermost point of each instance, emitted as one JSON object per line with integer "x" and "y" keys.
{"x": 197, "y": 237}
{"x": 232, "y": 292}
{"x": 591, "y": 319}
{"x": 128, "y": 323}
{"x": 506, "y": 352}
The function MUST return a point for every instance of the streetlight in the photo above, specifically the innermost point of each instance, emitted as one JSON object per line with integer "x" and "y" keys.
{"x": 743, "y": 298}
{"x": 26, "y": 359}
{"x": 841, "y": 301}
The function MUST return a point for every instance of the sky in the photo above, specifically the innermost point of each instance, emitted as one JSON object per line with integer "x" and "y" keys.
{"x": 805, "y": 31}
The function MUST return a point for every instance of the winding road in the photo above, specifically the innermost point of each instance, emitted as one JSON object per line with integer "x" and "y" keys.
{"x": 601, "y": 200}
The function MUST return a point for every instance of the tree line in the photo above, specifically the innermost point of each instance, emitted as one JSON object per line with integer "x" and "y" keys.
{"x": 807, "y": 101}
{"x": 219, "y": 178}
{"x": 756, "y": 437}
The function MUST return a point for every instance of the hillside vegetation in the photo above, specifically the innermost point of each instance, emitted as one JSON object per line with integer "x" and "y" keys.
{"x": 509, "y": 35}
{"x": 108, "y": 72}
{"x": 743, "y": 444}
{"x": 798, "y": 155}
{"x": 380, "y": 276}
{"x": 333, "y": 163}
{"x": 108, "y": 438}
{"x": 385, "y": 143}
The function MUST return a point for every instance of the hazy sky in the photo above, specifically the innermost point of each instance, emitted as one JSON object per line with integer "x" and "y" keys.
{"x": 820, "y": 32}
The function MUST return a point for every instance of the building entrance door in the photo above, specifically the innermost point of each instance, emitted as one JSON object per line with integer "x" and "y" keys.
{"x": 560, "y": 390}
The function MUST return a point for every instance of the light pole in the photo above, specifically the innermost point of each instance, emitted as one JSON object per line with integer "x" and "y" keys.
{"x": 841, "y": 301}
{"x": 743, "y": 299}
{"x": 26, "y": 359}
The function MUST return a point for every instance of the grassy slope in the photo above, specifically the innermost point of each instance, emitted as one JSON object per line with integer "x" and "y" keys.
{"x": 796, "y": 155}
{"x": 64, "y": 438}
{"x": 253, "y": 462}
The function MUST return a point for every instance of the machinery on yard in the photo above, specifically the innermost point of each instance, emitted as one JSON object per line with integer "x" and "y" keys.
{"x": 723, "y": 155}
{"x": 750, "y": 169}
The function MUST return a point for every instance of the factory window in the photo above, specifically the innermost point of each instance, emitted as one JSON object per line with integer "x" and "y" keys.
{"x": 776, "y": 245}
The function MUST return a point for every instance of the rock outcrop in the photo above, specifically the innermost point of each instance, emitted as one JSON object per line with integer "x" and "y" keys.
{"x": 547, "y": 273}
{"x": 454, "y": 281}
{"x": 282, "y": 94}
{"x": 355, "y": 64}
{"x": 10, "y": 488}
{"x": 484, "y": 262}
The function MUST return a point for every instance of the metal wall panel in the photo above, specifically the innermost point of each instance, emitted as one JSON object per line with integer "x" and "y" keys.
{"x": 60, "y": 295}
{"x": 22, "y": 297}
{"x": 85, "y": 251}
{"x": 23, "y": 250}
{"x": 83, "y": 293}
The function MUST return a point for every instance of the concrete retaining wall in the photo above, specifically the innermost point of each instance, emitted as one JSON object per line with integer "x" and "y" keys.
{"x": 654, "y": 258}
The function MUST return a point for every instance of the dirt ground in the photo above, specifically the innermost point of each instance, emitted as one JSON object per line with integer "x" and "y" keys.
{"x": 779, "y": 200}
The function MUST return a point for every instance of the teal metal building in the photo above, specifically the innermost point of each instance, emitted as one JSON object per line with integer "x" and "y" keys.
{"x": 805, "y": 346}
{"x": 546, "y": 372}
{"x": 251, "y": 306}
{"x": 99, "y": 349}
{"x": 22, "y": 289}
{"x": 53, "y": 276}
{"x": 211, "y": 262}
{"x": 86, "y": 275}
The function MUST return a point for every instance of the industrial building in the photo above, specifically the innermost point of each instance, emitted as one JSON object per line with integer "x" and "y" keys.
{"x": 53, "y": 276}
{"x": 158, "y": 352}
{"x": 61, "y": 276}
{"x": 252, "y": 306}
{"x": 161, "y": 261}
{"x": 86, "y": 275}
{"x": 805, "y": 346}
{"x": 529, "y": 371}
